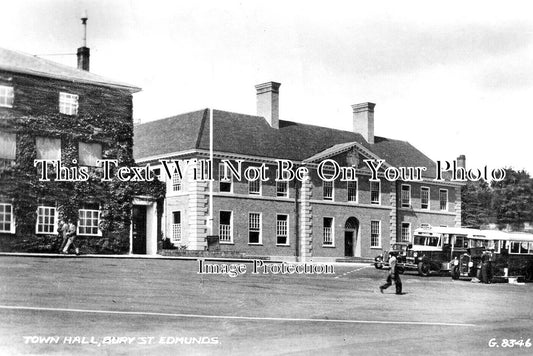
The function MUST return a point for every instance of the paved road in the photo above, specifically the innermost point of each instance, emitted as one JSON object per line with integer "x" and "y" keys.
{"x": 249, "y": 314}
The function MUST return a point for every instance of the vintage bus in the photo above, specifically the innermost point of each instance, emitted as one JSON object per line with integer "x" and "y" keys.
{"x": 443, "y": 249}
{"x": 434, "y": 248}
{"x": 509, "y": 254}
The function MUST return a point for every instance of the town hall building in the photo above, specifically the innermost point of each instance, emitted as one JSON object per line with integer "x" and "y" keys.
{"x": 295, "y": 219}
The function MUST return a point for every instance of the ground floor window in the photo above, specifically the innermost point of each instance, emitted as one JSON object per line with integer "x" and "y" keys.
{"x": 375, "y": 234}
{"x": 328, "y": 232}
{"x": 46, "y": 220}
{"x": 406, "y": 232}
{"x": 282, "y": 229}
{"x": 89, "y": 220}
{"x": 225, "y": 230}
{"x": 176, "y": 227}
{"x": 6, "y": 218}
{"x": 254, "y": 228}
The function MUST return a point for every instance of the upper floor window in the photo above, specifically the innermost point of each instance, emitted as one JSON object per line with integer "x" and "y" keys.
{"x": 282, "y": 189}
{"x": 176, "y": 182}
{"x": 89, "y": 153}
{"x": 254, "y": 187}
{"x": 8, "y": 145}
{"x": 68, "y": 104}
{"x": 282, "y": 186}
{"x": 48, "y": 148}
{"x": 225, "y": 177}
{"x": 352, "y": 191}
{"x": 424, "y": 198}
{"x": 328, "y": 186}
{"x": 7, "y": 96}
{"x": 406, "y": 195}
{"x": 6, "y": 218}
{"x": 443, "y": 199}
{"x": 375, "y": 192}
{"x": 327, "y": 189}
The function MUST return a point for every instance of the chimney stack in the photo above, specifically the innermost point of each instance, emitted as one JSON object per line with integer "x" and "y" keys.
{"x": 461, "y": 161}
{"x": 83, "y": 52}
{"x": 268, "y": 102}
{"x": 363, "y": 120}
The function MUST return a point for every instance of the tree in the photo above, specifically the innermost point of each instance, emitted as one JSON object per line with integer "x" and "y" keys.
{"x": 476, "y": 204}
{"x": 513, "y": 199}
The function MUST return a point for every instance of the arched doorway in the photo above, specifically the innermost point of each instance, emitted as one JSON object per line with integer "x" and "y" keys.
{"x": 351, "y": 229}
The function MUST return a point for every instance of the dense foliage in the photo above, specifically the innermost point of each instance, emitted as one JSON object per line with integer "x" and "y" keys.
{"x": 115, "y": 198}
{"x": 508, "y": 203}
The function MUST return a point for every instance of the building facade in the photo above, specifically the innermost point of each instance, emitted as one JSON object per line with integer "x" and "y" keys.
{"x": 305, "y": 218}
{"x": 50, "y": 111}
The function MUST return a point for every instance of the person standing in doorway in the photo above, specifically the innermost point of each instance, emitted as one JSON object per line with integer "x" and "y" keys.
{"x": 71, "y": 234}
{"x": 394, "y": 274}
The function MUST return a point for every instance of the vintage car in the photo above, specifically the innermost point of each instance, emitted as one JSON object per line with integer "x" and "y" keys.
{"x": 468, "y": 264}
{"x": 400, "y": 248}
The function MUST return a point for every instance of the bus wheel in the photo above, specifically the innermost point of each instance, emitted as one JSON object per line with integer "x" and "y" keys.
{"x": 455, "y": 272}
{"x": 423, "y": 269}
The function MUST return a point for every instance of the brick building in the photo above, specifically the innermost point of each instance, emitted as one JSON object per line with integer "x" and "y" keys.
{"x": 53, "y": 111}
{"x": 311, "y": 219}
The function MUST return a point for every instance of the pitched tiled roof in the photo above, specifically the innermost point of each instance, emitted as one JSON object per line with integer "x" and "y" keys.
{"x": 253, "y": 136}
{"x": 170, "y": 135}
{"x": 18, "y": 62}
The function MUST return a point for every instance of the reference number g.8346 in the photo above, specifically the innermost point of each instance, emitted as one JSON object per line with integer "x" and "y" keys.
{"x": 509, "y": 343}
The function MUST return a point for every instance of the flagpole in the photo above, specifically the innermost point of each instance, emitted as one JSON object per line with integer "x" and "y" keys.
{"x": 210, "y": 229}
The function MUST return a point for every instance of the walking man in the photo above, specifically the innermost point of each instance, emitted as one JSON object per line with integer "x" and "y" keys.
{"x": 71, "y": 234}
{"x": 394, "y": 274}
{"x": 62, "y": 231}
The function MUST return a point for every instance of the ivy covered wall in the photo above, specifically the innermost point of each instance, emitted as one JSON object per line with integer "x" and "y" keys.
{"x": 104, "y": 117}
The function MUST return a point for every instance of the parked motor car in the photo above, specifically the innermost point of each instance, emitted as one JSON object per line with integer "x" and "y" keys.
{"x": 400, "y": 248}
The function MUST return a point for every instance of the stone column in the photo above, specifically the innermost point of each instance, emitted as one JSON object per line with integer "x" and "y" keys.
{"x": 306, "y": 220}
{"x": 393, "y": 214}
{"x": 458, "y": 207}
{"x": 198, "y": 203}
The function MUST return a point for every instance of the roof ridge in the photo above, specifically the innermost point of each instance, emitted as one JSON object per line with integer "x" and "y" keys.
{"x": 172, "y": 117}
{"x": 201, "y": 131}
{"x": 57, "y": 70}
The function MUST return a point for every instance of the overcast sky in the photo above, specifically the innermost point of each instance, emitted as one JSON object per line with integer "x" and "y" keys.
{"x": 450, "y": 77}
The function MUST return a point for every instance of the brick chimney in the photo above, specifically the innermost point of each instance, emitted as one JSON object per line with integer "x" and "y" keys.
{"x": 83, "y": 52}
{"x": 268, "y": 102}
{"x": 83, "y": 58}
{"x": 363, "y": 120}
{"x": 461, "y": 161}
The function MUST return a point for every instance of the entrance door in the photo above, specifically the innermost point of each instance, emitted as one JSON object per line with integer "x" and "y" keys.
{"x": 348, "y": 243}
{"x": 351, "y": 245}
{"x": 139, "y": 229}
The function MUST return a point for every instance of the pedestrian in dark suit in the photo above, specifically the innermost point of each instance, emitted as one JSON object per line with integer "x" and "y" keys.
{"x": 394, "y": 274}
